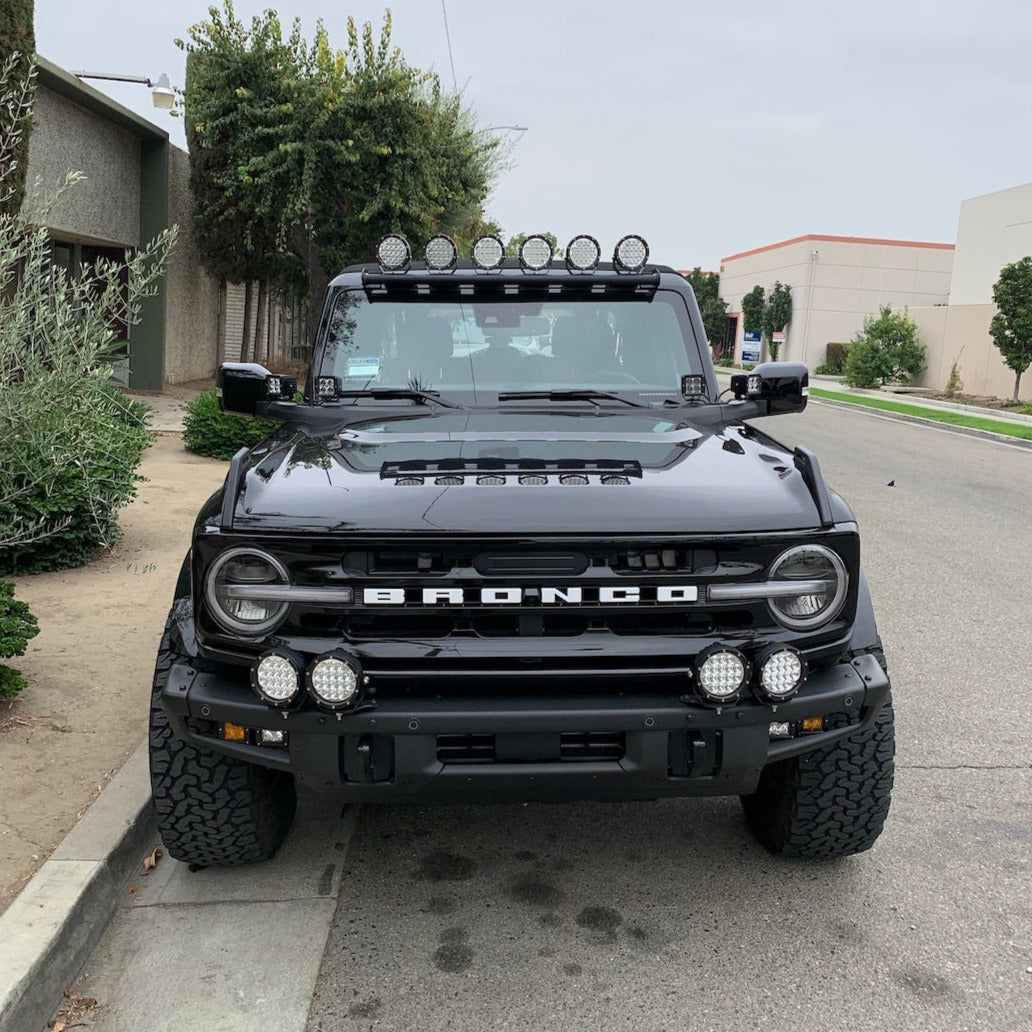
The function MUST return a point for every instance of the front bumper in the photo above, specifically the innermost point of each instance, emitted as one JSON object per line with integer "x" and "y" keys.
{"x": 393, "y": 752}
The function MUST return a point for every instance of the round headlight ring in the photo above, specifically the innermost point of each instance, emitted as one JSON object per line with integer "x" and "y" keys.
{"x": 232, "y": 621}
{"x": 721, "y": 673}
{"x": 488, "y": 252}
{"x": 335, "y": 680}
{"x": 535, "y": 253}
{"x": 393, "y": 253}
{"x": 828, "y": 612}
{"x": 583, "y": 253}
{"x": 631, "y": 253}
{"x": 278, "y": 678}
{"x": 441, "y": 254}
{"x": 782, "y": 670}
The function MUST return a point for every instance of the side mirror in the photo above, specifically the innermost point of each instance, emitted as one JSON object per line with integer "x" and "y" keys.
{"x": 775, "y": 387}
{"x": 242, "y": 386}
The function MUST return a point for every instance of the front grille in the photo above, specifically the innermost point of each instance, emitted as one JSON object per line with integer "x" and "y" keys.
{"x": 570, "y": 747}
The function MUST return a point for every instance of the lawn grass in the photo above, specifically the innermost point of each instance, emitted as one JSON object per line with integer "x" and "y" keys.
{"x": 995, "y": 426}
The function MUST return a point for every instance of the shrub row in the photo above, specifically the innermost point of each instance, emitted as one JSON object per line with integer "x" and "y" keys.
{"x": 17, "y": 627}
{"x": 208, "y": 431}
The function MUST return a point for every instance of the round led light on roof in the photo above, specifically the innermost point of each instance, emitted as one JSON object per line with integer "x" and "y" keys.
{"x": 535, "y": 253}
{"x": 393, "y": 253}
{"x": 720, "y": 674}
{"x": 488, "y": 252}
{"x": 583, "y": 253}
{"x": 440, "y": 253}
{"x": 781, "y": 673}
{"x": 631, "y": 253}
{"x": 333, "y": 681}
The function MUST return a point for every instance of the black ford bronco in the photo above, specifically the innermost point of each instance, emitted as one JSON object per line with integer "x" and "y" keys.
{"x": 512, "y": 544}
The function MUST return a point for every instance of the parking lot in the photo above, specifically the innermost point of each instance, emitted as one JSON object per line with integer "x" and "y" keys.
{"x": 666, "y": 915}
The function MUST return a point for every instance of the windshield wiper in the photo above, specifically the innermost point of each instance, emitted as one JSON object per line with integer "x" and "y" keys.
{"x": 400, "y": 393}
{"x": 574, "y": 394}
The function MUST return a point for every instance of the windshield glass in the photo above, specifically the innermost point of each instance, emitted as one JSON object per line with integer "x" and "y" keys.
{"x": 638, "y": 346}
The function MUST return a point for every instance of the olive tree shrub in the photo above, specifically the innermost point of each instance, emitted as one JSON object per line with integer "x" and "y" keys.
{"x": 885, "y": 351}
{"x": 70, "y": 439}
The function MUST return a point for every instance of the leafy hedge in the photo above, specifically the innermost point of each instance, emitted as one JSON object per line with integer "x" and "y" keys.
{"x": 211, "y": 432}
{"x": 17, "y": 627}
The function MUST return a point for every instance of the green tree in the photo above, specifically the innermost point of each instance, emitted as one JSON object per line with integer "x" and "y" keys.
{"x": 712, "y": 307}
{"x": 17, "y": 54}
{"x": 752, "y": 310}
{"x": 886, "y": 350}
{"x": 777, "y": 314}
{"x": 1011, "y": 327}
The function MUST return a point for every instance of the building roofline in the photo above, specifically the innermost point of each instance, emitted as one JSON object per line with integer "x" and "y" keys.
{"x": 839, "y": 240}
{"x": 59, "y": 81}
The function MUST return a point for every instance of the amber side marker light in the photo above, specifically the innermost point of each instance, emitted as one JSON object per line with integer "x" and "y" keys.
{"x": 234, "y": 733}
{"x": 810, "y": 724}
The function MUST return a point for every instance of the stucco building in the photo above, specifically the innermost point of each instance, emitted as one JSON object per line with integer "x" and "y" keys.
{"x": 836, "y": 282}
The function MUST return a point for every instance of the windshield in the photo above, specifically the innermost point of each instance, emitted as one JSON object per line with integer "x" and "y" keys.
{"x": 638, "y": 346}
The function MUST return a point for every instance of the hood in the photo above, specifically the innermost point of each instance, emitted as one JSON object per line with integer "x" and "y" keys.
{"x": 646, "y": 474}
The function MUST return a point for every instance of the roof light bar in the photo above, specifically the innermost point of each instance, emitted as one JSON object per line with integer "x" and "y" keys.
{"x": 535, "y": 253}
{"x": 583, "y": 253}
{"x": 631, "y": 253}
{"x": 393, "y": 253}
{"x": 441, "y": 253}
{"x": 488, "y": 252}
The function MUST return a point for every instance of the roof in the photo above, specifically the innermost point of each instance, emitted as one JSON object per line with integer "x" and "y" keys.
{"x": 839, "y": 240}
{"x": 57, "y": 80}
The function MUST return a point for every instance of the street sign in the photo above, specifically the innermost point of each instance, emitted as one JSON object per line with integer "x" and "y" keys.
{"x": 751, "y": 346}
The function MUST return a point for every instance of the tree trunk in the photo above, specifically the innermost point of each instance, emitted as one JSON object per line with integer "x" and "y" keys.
{"x": 1017, "y": 384}
{"x": 259, "y": 322}
{"x": 220, "y": 329}
{"x": 245, "y": 339}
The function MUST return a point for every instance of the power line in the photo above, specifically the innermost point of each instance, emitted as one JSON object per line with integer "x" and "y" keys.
{"x": 447, "y": 36}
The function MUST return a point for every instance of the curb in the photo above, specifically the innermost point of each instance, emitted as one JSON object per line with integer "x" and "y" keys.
{"x": 901, "y": 417}
{"x": 54, "y": 924}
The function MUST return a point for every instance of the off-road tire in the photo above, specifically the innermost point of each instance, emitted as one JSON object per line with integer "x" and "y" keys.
{"x": 213, "y": 810}
{"x": 828, "y": 803}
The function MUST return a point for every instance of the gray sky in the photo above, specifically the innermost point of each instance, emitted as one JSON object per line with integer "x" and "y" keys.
{"x": 708, "y": 128}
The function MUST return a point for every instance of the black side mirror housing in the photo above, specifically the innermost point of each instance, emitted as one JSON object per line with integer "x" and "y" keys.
{"x": 775, "y": 387}
{"x": 242, "y": 387}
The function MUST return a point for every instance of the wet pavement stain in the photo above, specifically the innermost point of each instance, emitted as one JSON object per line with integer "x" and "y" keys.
{"x": 326, "y": 880}
{"x": 453, "y": 935}
{"x": 453, "y": 957}
{"x": 535, "y": 891}
{"x": 442, "y": 866}
{"x": 441, "y": 905}
{"x": 924, "y": 983}
{"x": 551, "y": 919}
{"x": 600, "y": 919}
{"x": 573, "y": 970}
{"x": 526, "y": 855}
{"x": 365, "y": 1008}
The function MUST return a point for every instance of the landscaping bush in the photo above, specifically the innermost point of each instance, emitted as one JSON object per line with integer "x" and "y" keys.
{"x": 886, "y": 350}
{"x": 17, "y": 627}
{"x": 218, "y": 435}
{"x": 835, "y": 357}
{"x": 70, "y": 440}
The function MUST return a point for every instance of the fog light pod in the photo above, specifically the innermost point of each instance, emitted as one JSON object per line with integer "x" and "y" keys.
{"x": 276, "y": 677}
{"x": 488, "y": 252}
{"x": 583, "y": 253}
{"x": 393, "y": 253}
{"x": 782, "y": 669}
{"x": 720, "y": 674}
{"x": 631, "y": 254}
{"x": 335, "y": 680}
{"x": 535, "y": 253}
{"x": 441, "y": 253}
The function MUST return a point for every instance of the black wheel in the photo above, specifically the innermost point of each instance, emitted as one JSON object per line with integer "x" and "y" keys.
{"x": 213, "y": 810}
{"x": 829, "y": 803}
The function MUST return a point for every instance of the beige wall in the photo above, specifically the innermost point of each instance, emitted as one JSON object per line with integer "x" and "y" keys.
{"x": 192, "y": 296}
{"x": 994, "y": 230}
{"x": 105, "y": 206}
{"x": 960, "y": 333}
{"x": 835, "y": 283}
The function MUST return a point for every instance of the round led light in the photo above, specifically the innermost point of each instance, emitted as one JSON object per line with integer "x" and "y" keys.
{"x": 583, "y": 253}
{"x": 277, "y": 679}
{"x": 781, "y": 673}
{"x": 535, "y": 253}
{"x": 234, "y": 580}
{"x": 826, "y": 580}
{"x": 333, "y": 681}
{"x": 440, "y": 253}
{"x": 720, "y": 674}
{"x": 488, "y": 252}
{"x": 631, "y": 253}
{"x": 393, "y": 253}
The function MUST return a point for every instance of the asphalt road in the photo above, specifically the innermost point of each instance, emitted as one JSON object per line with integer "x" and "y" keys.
{"x": 666, "y": 915}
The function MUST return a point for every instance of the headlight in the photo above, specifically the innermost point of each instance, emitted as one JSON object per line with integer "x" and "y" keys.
{"x": 233, "y": 589}
{"x": 825, "y": 590}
